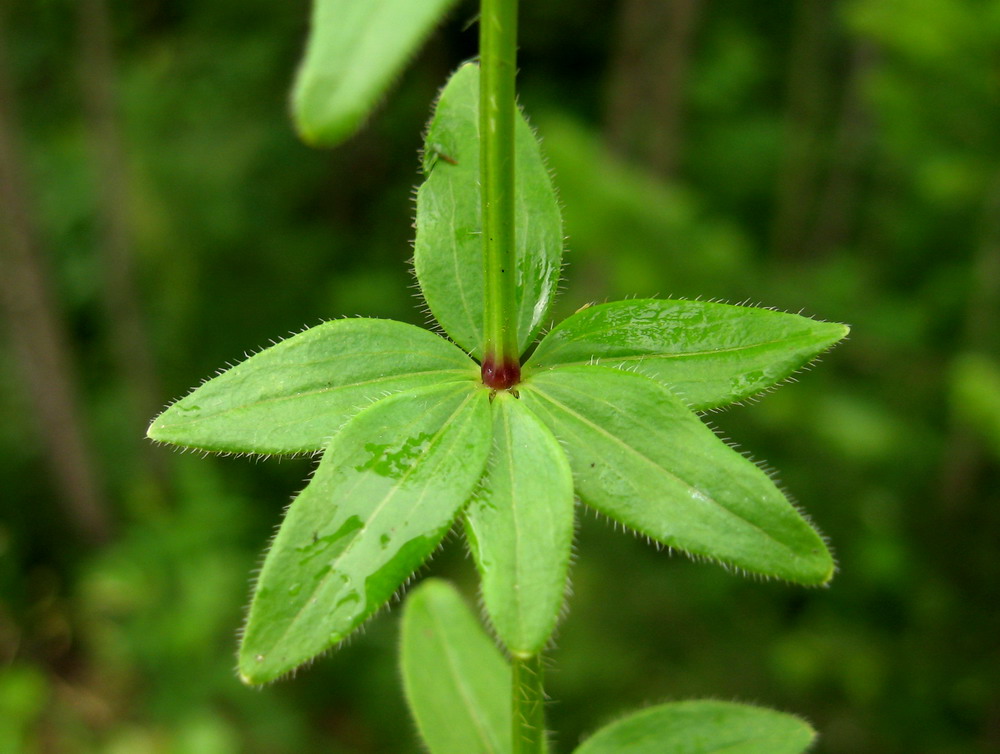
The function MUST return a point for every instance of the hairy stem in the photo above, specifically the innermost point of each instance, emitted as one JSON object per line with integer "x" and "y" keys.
{"x": 528, "y": 706}
{"x": 497, "y": 114}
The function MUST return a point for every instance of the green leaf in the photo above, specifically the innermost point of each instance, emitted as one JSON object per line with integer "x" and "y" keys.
{"x": 641, "y": 457}
{"x": 383, "y": 497}
{"x": 520, "y": 527}
{"x": 702, "y": 727}
{"x": 448, "y": 252}
{"x": 708, "y": 354}
{"x": 457, "y": 684}
{"x": 354, "y": 52}
{"x": 294, "y": 396}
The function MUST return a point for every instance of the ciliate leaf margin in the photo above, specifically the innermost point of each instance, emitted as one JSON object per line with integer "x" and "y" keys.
{"x": 685, "y": 503}
{"x": 293, "y": 406}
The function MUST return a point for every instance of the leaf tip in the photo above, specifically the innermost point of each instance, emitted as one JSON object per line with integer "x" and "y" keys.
{"x": 156, "y": 432}
{"x": 821, "y": 571}
{"x": 245, "y": 679}
{"x": 317, "y": 123}
{"x": 843, "y": 330}
{"x": 318, "y": 135}
{"x": 828, "y": 574}
{"x": 164, "y": 428}
{"x": 834, "y": 332}
{"x": 254, "y": 669}
{"x": 247, "y": 674}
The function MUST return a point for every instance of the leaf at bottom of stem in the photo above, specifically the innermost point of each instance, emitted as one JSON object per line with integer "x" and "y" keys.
{"x": 702, "y": 727}
{"x": 457, "y": 684}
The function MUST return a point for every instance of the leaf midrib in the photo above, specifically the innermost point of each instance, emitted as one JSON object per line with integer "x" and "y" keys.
{"x": 657, "y": 354}
{"x": 457, "y": 276}
{"x": 516, "y": 545}
{"x": 302, "y": 394}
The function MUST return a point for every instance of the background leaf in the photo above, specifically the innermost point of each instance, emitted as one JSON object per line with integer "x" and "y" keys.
{"x": 382, "y": 498}
{"x": 448, "y": 254}
{"x": 975, "y": 395}
{"x": 457, "y": 684}
{"x": 520, "y": 527}
{"x": 708, "y": 354}
{"x": 641, "y": 457}
{"x": 702, "y": 727}
{"x": 293, "y": 396}
{"x": 353, "y": 53}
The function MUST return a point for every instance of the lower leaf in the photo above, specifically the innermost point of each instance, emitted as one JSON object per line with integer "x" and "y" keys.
{"x": 457, "y": 684}
{"x": 383, "y": 497}
{"x": 702, "y": 727}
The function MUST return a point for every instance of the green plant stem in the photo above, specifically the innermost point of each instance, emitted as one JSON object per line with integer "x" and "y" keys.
{"x": 528, "y": 705}
{"x": 497, "y": 116}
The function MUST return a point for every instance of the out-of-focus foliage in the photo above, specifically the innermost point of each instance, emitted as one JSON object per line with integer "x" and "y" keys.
{"x": 354, "y": 52}
{"x": 836, "y": 158}
{"x": 976, "y": 396}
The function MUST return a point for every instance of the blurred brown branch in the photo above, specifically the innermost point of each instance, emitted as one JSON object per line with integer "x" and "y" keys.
{"x": 129, "y": 339}
{"x": 648, "y": 76}
{"x": 38, "y": 335}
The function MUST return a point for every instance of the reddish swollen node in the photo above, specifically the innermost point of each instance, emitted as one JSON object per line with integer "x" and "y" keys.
{"x": 501, "y": 376}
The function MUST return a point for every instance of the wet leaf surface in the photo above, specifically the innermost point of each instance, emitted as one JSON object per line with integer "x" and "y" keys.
{"x": 709, "y": 354}
{"x": 381, "y": 500}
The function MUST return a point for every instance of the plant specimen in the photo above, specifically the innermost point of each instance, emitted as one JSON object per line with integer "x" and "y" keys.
{"x": 419, "y": 431}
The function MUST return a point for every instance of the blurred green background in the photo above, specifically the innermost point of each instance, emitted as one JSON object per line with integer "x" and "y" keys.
{"x": 158, "y": 219}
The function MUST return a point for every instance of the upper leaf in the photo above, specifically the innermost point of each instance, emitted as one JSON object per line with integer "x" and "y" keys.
{"x": 448, "y": 253}
{"x": 520, "y": 527}
{"x": 641, "y": 457}
{"x": 702, "y": 727}
{"x": 383, "y": 497}
{"x": 457, "y": 684}
{"x": 708, "y": 354}
{"x": 355, "y": 50}
{"x": 292, "y": 397}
